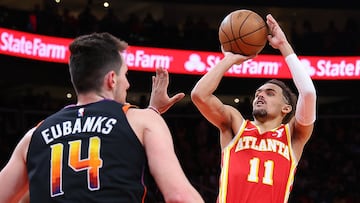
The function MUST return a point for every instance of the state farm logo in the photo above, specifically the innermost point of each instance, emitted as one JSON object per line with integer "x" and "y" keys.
{"x": 329, "y": 68}
{"x": 31, "y": 46}
{"x": 146, "y": 59}
{"x": 307, "y": 65}
{"x": 247, "y": 68}
{"x": 194, "y": 63}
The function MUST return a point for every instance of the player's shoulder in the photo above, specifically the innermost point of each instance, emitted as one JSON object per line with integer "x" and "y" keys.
{"x": 24, "y": 143}
{"x": 143, "y": 112}
{"x": 31, "y": 131}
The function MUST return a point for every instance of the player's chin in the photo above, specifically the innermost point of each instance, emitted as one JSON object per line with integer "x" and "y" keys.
{"x": 259, "y": 112}
{"x": 258, "y": 106}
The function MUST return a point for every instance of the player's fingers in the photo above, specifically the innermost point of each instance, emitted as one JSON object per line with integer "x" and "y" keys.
{"x": 176, "y": 98}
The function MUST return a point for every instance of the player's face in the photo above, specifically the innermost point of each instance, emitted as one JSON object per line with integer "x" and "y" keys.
{"x": 269, "y": 101}
{"x": 122, "y": 84}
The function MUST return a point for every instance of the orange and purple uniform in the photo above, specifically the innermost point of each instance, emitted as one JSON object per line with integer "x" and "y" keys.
{"x": 88, "y": 153}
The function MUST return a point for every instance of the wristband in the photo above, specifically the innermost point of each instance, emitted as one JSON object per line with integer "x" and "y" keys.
{"x": 154, "y": 109}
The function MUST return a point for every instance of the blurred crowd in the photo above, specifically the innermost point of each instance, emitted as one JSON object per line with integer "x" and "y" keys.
{"x": 192, "y": 32}
{"x": 328, "y": 170}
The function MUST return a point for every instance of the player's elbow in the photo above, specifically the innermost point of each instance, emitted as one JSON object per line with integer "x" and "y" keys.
{"x": 306, "y": 108}
{"x": 197, "y": 97}
{"x": 310, "y": 91}
{"x": 309, "y": 95}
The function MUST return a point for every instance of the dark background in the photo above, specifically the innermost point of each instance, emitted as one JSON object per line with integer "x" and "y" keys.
{"x": 328, "y": 170}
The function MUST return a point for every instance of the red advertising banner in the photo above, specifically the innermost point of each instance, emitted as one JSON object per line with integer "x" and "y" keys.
{"x": 32, "y": 46}
{"x": 55, "y": 49}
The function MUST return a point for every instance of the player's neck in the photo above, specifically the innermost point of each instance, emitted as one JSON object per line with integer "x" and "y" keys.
{"x": 92, "y": 97}
{"x": 267, "y": 124}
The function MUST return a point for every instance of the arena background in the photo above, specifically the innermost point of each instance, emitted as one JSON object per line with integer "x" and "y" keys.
{"x": 328, "y": 170}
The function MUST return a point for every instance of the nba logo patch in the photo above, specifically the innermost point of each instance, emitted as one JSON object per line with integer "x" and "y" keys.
{"x": 81, "y": 112}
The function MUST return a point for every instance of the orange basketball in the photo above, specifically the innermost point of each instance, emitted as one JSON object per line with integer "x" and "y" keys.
{"x": 243, "y": 32}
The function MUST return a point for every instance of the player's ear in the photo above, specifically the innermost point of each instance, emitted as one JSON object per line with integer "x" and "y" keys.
{"x": 287, "y": 108}
{"x": 110, "y": 79}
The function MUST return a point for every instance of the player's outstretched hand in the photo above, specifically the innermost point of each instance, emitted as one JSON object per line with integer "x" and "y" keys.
{"x": 276, "y": 37}
{"x": 159, "y": 97}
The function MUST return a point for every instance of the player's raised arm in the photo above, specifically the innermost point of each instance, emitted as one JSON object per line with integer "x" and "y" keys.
{"x": 210, "y": 106}
{"x": 305, "y": 113}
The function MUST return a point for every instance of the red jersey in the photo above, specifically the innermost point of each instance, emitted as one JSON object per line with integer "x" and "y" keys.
{"x": 257, "y": 167}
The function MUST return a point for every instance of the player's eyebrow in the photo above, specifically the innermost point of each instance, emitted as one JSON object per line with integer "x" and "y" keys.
{"x": 266, "y": 90}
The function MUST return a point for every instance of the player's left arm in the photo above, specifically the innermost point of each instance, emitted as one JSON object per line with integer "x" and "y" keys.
{"x": 305, "y": 113}
{"x": 13, "y": 177}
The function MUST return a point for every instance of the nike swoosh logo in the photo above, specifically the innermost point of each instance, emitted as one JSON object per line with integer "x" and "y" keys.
{"x": 249, "y": 129}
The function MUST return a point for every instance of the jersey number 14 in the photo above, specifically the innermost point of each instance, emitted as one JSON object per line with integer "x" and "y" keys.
{"x": 91, "y": 164}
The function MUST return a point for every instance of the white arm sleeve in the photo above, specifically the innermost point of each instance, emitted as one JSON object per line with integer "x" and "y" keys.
{"x": 305, "y": 112}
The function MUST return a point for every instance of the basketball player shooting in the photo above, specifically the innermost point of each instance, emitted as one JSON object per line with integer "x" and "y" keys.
{"x": 260, "y": 156}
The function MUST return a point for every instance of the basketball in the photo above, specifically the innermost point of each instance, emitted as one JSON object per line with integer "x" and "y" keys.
{"x": 243, "y": 32}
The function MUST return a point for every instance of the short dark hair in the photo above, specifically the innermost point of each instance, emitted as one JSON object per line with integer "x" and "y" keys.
{"x": 92, "y": 56}
{"x": 289, "y": 95}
